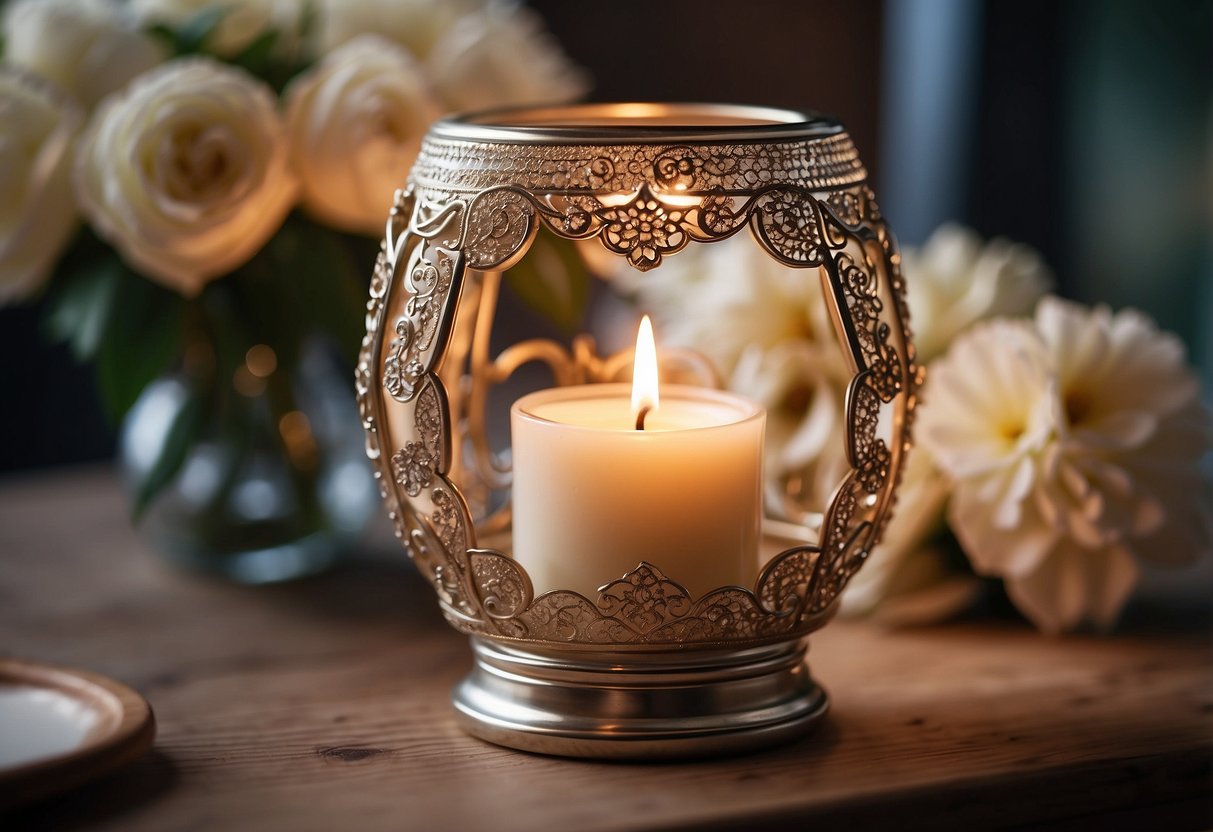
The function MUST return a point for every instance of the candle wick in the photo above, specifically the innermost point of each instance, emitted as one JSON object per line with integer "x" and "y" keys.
{"x": 644, "y": 411}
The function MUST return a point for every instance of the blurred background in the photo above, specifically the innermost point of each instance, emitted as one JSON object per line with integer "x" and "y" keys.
{"x": 1081, "y": 127}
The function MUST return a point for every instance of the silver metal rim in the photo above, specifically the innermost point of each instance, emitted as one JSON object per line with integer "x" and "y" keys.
{"x": 636, "y": 123}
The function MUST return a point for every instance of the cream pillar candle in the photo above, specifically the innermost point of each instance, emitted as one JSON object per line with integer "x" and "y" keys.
{"x": 593, "y": 496}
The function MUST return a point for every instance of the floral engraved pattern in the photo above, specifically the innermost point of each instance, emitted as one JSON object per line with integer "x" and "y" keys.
{"x": 884, "y": 365}
{"x": 414, "y": 465}
{"x": 644, "y": 598}
{"x": 448, "y": 521}
{"x": 644, "y": 230}
{"x": 428, "y": 421}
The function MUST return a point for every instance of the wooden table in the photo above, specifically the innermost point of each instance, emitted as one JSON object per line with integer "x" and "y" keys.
{"x": 323, "y": 705}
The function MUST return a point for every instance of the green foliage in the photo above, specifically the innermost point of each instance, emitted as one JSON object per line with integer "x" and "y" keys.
{"x": 127, "y": 326}
{"x": 552, "y": 280}
{"x": 191, "y": 36}
{"x": 307, "y": 280}
{"x": 261, "y": 57}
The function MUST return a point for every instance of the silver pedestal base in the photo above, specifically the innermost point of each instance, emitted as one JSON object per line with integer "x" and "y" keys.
{"x": 638, "y": 705}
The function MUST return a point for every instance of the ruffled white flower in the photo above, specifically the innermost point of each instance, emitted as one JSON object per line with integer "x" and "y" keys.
{"x": 956, "y": 279}
{"x": 355, "y": 122}
{"x": 38, "y": 128}
{"x": 502, "y": 56}
{"x": 241, "y": 23}
{"x": 417, "y": 25}
{"x": 186, "y": 171}
{"x": 1073, "y": 444}
{"x": 89, "y": 48}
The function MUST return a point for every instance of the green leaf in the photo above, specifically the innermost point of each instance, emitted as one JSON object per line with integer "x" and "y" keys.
{"x": 183, "y": 432}
{"x": 192, "y": 35}
{"x": 142, "y": 340}
{"x": 79, "y": 303}
{"x": 313, "y": 279}
{"x": 552, "y": 280}
{"x": 257, "y": 58}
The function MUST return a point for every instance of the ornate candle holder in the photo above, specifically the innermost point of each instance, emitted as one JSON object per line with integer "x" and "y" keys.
{"x": 643, "y": 669}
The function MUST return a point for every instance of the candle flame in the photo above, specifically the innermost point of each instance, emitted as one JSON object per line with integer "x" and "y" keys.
{"x": 644, "y": 373}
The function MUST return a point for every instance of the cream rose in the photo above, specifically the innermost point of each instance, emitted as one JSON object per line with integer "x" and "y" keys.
{"x": 89, "y": 48}
{"x": 503, "y": 56}
{"x": 186, "y": 172}
{"x": 355, "y": 122}
{"x": 243, "y": 21}
{"x": 38, "y": 126}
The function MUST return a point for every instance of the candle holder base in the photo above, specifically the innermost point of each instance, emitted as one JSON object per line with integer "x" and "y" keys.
{"x": 661, "y": 704}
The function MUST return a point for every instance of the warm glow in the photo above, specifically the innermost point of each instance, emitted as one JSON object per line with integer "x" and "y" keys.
{"x": 644, "y": 373}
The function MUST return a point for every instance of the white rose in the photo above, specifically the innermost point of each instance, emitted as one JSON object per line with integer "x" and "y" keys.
{"x": 186, "y": 172}
{"x": 503, "y": 56}
{"x": 38, "y": 126}
{"x": 355, "y": 122}
{"x": 242, "y": 22}
{"x": 414, "y": 24}
{"x": 957, "y": 279}
{"x": 88, "y": 47}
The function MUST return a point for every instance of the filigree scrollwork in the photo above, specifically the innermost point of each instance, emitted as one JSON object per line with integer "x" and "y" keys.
{"x": 874, "y": 467}
{"x": 719, "y": 217}
{"x": 420, "y": 460}
{"x": 862, "y": 293}
{"x": 884, "y": 365}
{"x": 402, "y": 368}
{"x": 499, "y": 223}
{"x": 787, "y": 221}
{"x": 644, "y": 598}
{"x": 448, "y": 520}
{"x": 784, "y": 583}
{"x": 675, "y": 168}
{"x": 429, "y": 280}
{"x": 503, "y": 588}
{"x": 643, "y": 230}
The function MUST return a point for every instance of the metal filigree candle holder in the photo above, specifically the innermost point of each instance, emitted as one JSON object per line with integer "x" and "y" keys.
{"x": 642, "y": 669}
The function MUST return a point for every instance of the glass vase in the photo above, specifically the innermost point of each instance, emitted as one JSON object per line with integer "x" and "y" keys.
{"x": 274, "y": 487}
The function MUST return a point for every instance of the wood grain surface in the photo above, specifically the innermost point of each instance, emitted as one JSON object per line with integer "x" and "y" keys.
{"x": 324, "y": 705}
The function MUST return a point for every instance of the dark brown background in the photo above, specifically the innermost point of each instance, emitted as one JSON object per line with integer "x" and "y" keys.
{"x": 1087, "y": 135}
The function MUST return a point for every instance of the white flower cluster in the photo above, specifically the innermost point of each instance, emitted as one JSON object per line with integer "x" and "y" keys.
{"x": 1062, "y": 446}
{"x": 1073, "y": 440}
{"x": 187, "y": 166}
